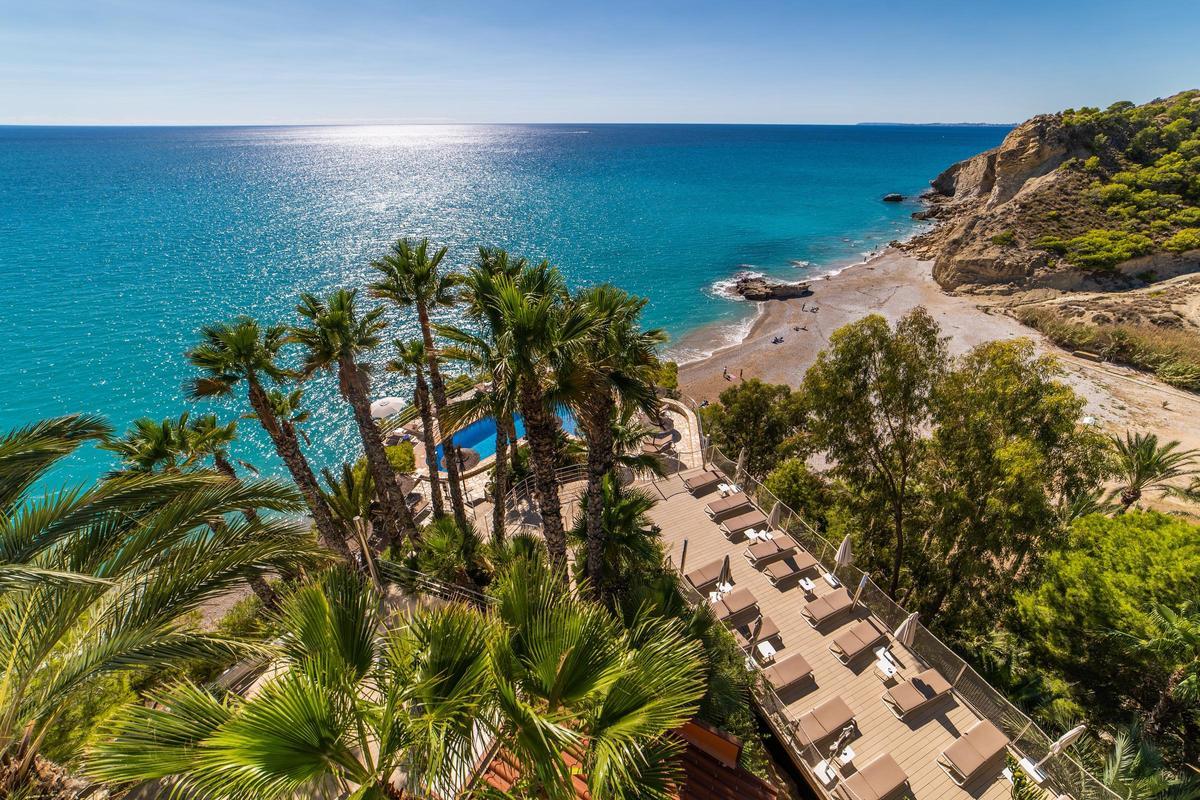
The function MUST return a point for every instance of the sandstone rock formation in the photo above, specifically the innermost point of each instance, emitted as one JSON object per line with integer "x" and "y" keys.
{"x": 760, "y": 288}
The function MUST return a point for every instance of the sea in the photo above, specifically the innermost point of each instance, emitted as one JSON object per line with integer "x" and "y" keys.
{"x": 118, "y": 244}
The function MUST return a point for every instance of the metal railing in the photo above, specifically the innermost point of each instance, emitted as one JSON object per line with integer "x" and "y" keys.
{"x": 1063, "y": 772}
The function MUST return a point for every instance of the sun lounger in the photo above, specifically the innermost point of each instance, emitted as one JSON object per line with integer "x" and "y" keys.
{"x": 915, "y": 693}
{"x": 982, "y": 744}
{"x": 699, "y": 481}
{"x": 827, "y": 719}
{"x": 727, "y": 505}
{"x": 763, "y": 552}
{"x": 849, "y": 645}
{"x": 734, "y": 526}
{"x": 707, "y": 575}
{"x": 756, "y": 630}
{"x": 826, "y": 607}
{"x": 735, "y": 604}
{"x": 419, "y": 508}
{"x": 789, "y": 568}
{"x": 788, "y": 672}
{"x": 880, "y": 778}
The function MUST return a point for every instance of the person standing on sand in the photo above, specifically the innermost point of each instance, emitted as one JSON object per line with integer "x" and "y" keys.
{"x": 741, "y": 372}
{"x": 725, "y": 372}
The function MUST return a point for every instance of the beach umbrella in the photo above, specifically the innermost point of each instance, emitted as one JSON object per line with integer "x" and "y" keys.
{"x": 1062, "y": 743}
{"x": 862, "y": 584}
{"x": 844, "y": 556}
{"x": 776, "y": 515}
{"x": 387, "y": 406}
{"x": 741, "y": 466}
{"x": 683, "y": 556}
{"x": 907, "y": 630}
{"x": 726, "y": 575}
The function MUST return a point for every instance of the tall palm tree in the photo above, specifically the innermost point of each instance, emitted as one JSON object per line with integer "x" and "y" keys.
{"x": 410, "y": 276}
{"x": 410, "y": 361}
{"x": 351, "y": 497}
{"x": 243, "y": 352}
{"x": 1175, "y": 639}
{"x": 352, "y": 707}
{"x": 94, "y": 580}
{"x": 632, "y": 544}
{"x": 336, "y": 337}
{"x": 1142, "y": 465}
{"x": 615, "y": 372}
{"x": 537, "y": 335}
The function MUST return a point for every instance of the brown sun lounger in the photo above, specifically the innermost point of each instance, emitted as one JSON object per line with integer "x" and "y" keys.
{"x": 850, "y": 644}
{"x": 734, "y": 526}
{"x": 915, "y": 693}
{"x": 982, "y": 744}
{"x": 707, "y": 575}
{"x": 699, "y": 481}
{"x": 789, "y": 568}
{"x": 788, "y": 672}
{"x": 827, "y": 606}
{"x": 880, "y": 778}
{"x": 756, "y": 630}
{"x": 738, "y": 501}
{"x": 760, "y": 553}
{"x": 827, "y": 719}
{"x": 735, "y": 604}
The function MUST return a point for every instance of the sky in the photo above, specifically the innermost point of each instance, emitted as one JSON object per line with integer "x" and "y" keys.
{"x": 739, "y": 61}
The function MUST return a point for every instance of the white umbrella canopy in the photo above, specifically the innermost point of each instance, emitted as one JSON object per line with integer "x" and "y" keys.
{"x": 776, "y": 515}
{"x": 844, "y": 555}
{"x": 741, "y": 466}
{"x": 387, "y": 406}
{"x": 1061, "y": 743}
{"x": 907, "y": 630}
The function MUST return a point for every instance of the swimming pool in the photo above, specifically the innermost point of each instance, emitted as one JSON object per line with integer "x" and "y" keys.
{"x": 480, "y": 435}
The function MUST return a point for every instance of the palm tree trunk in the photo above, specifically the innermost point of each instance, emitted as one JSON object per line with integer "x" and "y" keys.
{"x": 289, "y": 450}
{"x": 598, "y": 428}
{"x": 499, "y": 483}
{"x": 541, "y": 431}
{"x": 439, "y": 404}
{"x": 257, "y": 582}
{"x": 1166, "y": 700}
{"x": 397, "y": 519}
{"x": 514, "y": 454}
{"x": 421, "y": 397}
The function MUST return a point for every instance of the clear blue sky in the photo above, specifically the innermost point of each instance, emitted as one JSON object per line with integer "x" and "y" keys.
{"x": 304, "y": 61}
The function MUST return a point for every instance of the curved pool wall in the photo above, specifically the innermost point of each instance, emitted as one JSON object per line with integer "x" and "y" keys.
{"x": 480, "y": 435}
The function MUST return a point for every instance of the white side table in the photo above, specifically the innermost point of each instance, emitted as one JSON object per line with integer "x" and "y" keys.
{"x": 766, "y": 651}
{"x": 807, "y": 585}
{"x": 846, "y": 756}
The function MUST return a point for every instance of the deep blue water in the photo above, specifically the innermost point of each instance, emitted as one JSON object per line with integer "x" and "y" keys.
{"x": 480, "y": 435}
{"x": 116, "y": 244}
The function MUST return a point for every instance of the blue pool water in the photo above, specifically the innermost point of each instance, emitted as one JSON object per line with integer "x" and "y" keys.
{"x": 117, "y": 244}
{"x": 480, "y": 435}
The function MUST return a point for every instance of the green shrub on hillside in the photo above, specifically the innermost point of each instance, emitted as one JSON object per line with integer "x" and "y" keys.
{"x": 1004, "y": 238}
{"x": 1098, "y": 249}
{"x": 1186, "y": 239}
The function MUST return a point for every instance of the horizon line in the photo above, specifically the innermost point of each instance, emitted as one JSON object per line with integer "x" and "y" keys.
{"x": 866, "y": 123}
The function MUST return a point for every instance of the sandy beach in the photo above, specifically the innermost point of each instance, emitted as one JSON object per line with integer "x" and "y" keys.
{"x": 893, "y": 283}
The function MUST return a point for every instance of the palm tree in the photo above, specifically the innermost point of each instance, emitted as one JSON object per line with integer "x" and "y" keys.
{"x": 1174, "y": 639}
{"x": 570, "y": 678}
{"x": 1143, "y": 466}
{"x": 242, "y": 352}
{"x": 410, "y": 362}
{"x": 351, "y": 708}
{"x": 336, "y": 338}
{"x": 632, "y": 544}
{"x": 94, "y": 580}
{"x": 452, "y": 555}
{"x": 1132, "y": 768}
{"x": 410, "y": 276}
{"x": 536, "y": 337}
{"x": 616, "y": 371}
{"x": 351, "y": 498}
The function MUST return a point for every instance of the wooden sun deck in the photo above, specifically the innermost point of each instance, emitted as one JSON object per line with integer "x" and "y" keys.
{"x": 915, "y": 743}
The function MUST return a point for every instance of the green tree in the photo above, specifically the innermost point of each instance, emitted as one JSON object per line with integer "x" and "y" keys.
{"x": 351, "y": 707}
{"x": 411, "y": 276}
{"x": 241, "y": 352}
{"x": 632, "y": 545}
{"x": 351, "y": 498}
{"x": 410, "y": 362}
{"x": 1143, "y": 465}
{"x": 1174, "y": 642}
{"x": 337, "y": 337}
{"x": 868, "y": 402}
{"x": 801, "y": 489}
{"x": 759, "y": 418}
{"x": 94, "y": 580}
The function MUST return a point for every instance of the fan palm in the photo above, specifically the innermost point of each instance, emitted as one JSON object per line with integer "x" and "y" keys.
{"x": 243, "y": 352}
{"x": 94, "y": 580}
{"x": 570, "y": 678}
{"x": 1132, "y": 768}
{"x": 410, "y": 361}
{"x": 352, "y": 707}
{"x": 616, "y": 371}
{"x": 410, "y": 276}
{"x": 336, "y": 337}
{"x": 351, "y": 497}
{"x": 632, "y": 546}
{"x": 1175, "y": 640}
{"x": 1142, "y": 465}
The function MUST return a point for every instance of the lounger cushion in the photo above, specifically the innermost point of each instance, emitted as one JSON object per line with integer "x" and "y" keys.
{"x": 917, "y": 691}
{"x": 750, "y": 519}
{"x": 788, "y": 671}
{"x": 878, "y": 779}
{"x": 707, "y": 575}
{"x": 823, "y": 721}
{"x": 827, "y": 605}
{"x": 979, "y": 746}
{"x": 699, "y": 479}
{"x": 852, "y": 643}
{"x": 726, "y": 505}
{"x": 790, "y": 567}
{"x": 758, "y": 630}
{"x": 774, "y": 548}
{"x": 736, "y": 602}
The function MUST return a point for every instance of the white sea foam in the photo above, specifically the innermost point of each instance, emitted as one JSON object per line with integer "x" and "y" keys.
{"x": 726, "y": 288}
{"x": 702, "y": 343}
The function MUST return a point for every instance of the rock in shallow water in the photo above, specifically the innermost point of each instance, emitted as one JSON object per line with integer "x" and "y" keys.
{"x": 894, "y": 197}
{"x": 758, "y": 288}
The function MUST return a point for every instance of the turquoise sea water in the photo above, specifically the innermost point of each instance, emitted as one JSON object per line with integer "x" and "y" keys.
{"x": 116, "y": 244}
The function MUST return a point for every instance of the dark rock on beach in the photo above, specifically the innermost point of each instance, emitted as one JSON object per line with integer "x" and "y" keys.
{"x": 894, "y": 197}
{"x": 758, "y": 288}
